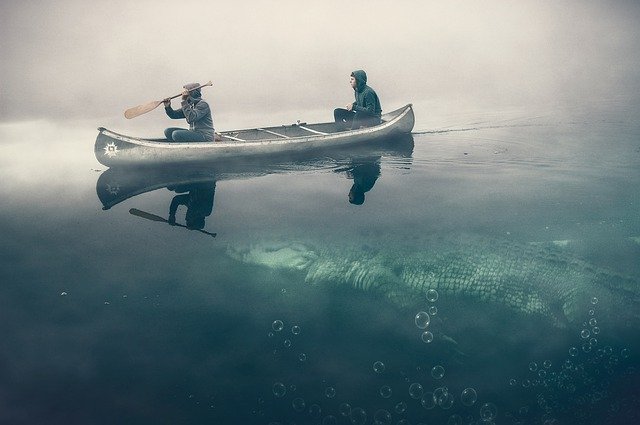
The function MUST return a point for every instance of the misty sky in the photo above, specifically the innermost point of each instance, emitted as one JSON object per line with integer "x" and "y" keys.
{"x": 71, "y": 59}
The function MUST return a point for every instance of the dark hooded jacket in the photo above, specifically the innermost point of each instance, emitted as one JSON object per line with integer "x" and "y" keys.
{"x": 196, "y": 111}
{"x": 366, "y": 97}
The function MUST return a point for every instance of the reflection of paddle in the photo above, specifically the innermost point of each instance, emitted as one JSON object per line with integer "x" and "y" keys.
{"x": 148, "y": 107}
{"x": 154, "y": 217}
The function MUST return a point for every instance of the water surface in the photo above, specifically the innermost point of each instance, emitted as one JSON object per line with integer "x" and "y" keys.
{"x": 108, "y": 317}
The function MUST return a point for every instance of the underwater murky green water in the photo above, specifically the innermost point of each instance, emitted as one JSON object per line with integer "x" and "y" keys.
{"x": 527, "y": 230}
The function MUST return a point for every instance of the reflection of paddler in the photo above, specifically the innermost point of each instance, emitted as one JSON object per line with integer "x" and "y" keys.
{"x": 364, "y": 177}
{"x": 198, "y": 200}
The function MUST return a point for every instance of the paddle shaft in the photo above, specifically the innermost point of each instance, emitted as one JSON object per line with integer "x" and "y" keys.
{"x": 153, "y": 217}
{"x": 136, "y": 111}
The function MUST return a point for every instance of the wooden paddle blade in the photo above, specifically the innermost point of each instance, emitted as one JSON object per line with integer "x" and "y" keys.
{"x": 141, "y": 109}
{"x": 146, "y": 215}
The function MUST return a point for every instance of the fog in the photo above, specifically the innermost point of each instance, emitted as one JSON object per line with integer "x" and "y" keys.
{"x": 271, "y": 60}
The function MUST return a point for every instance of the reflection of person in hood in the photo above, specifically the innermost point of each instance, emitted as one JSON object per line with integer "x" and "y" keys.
{"x": 198, "y": 115}
{"x": 199, "y": 203}
{"x": 364, "y": 176}
{"x": 365, "y": 111}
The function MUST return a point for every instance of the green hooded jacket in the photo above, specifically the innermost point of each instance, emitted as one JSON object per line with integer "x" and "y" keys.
{"x": 366, "y": 97}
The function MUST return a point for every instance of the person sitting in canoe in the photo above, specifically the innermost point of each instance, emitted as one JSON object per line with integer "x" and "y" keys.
{"x": 365, "y": 111}
{"x": 197, "y": 113}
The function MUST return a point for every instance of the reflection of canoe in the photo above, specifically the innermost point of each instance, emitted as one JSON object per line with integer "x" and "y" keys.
{"x": 116, "y": 149}
{"x": 120, "y": 183}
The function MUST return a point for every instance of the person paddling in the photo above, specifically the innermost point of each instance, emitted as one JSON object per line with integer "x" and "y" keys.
{"x": 365, "y": 111}
{"x": 197, "y": 113}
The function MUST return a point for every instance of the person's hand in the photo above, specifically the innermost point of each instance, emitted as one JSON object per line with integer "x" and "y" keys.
{"x": 167, "y": 102}
{"x": 349, "y": 106}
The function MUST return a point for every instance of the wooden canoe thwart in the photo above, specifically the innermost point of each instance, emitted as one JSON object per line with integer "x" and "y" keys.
{"x": 113, "y": 149}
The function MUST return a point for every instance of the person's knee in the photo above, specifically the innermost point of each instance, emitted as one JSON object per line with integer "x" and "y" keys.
{"x": 168, "y": 133}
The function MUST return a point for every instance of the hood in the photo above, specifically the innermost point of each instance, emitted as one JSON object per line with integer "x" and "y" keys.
{"x": 196, "y": 94}
{"x": 361, "y": 78}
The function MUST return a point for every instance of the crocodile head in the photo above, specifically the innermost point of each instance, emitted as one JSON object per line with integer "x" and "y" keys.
{"x": 276, "y": 255}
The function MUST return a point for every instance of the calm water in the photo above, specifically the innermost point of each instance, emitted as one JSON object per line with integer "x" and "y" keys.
{"x": 111, "y": 317}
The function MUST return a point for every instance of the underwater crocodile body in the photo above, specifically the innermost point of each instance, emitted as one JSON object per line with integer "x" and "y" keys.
{"x": 530, "y": 279}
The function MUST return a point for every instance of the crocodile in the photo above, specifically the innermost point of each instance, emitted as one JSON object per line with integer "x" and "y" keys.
{"x": 531, "y": 279}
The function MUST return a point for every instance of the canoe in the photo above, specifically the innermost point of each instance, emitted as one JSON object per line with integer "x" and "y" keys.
{"x": 113, "y": 149}
{"x": 117, "y": 184}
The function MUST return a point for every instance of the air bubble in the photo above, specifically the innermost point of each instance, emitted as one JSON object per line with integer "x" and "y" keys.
{"x": 279, "y": 390}
{"x": 385, "y": 391}
{"x": 422, "y": 319}
{"x": 533, "y": 366}
{"x": 378, "y": 367}
{"x": 488, "y": 411}
{"x": 277, "y": 325}
{"x": 426, "y": 337}
{"x": 315, "y": 411}
{"x": 358, "y": 416}
{"x": 329, "y": 420}
{"x": 437, "y": 372}
{"x": 298, "y": 404}
{"x": 345, "y": 409}
{"x": 401, "y": 407}
{"x": 330, "y": 392}
{"x": 468, "y": 397}
{"x": 432, "y": 295}
{"x": 416, "y": 391}
{"x": 433, "y": 310}
{"x": 428, "y": 401}
{"x": 382, "y": 417}
{"x": 295, "y": 330}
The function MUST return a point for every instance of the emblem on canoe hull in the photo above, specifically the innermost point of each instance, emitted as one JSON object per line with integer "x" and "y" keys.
{"x": 110, "y": 149}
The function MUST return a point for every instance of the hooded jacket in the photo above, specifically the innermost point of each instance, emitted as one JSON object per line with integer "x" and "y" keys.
{"x": 196, "y": 111}
{"x": 366, "y": 98}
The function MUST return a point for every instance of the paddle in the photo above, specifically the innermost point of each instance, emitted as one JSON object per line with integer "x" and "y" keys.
{"x": 154, "y": 217}
{"x": 148, "y": 107}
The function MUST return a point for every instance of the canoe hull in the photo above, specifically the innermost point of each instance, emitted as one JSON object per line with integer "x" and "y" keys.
{"x": 113, "y": 149}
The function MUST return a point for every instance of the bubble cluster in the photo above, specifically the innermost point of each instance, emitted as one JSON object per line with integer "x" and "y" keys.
{"x": 443, "y": 398}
